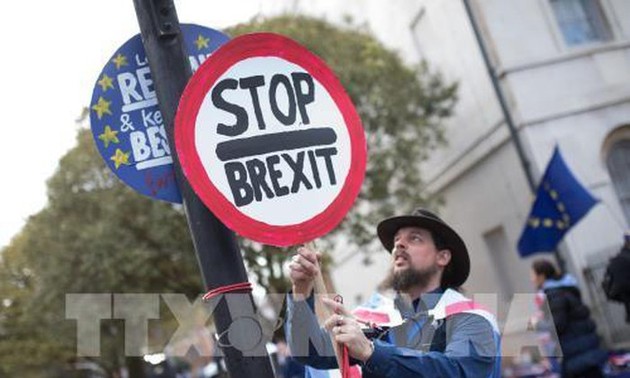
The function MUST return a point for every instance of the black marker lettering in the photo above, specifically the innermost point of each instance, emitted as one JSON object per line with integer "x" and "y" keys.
{"x": 311, "y": 158}
{"x": 276, "y": 80}
{"x": 252, "y": 83}
{"x": 237, "y": 178}
{"x": 240, "y": 113}
{"x": 257, "y": 173}
{"x": 326, "y": 153}
{"x": 275, "y": 175}
{"x": 298, "y": 171}
{"x": 303, "y": 98}
{"x": 275, "y": 142}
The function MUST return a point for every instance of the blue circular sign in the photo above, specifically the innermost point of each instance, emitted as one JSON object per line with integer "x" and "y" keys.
{"x": 126, "y": 121}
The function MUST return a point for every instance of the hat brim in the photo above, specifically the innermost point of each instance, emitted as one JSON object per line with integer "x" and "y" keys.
{"x": 459, "y": 268}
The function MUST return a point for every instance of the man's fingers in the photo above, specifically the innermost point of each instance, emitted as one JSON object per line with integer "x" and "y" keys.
{"x": 345, "y": 334}
{"x": 296, "y": 272}
{"x": 296, "y": 266}
{"x": 309, "y": 254}
{"x": 344, "y": 338}
{"x": 336, "y": 307}
{"x": 330, "y": 323}
{"x": 334, "y": 321}
{"x": 306, "y": 265}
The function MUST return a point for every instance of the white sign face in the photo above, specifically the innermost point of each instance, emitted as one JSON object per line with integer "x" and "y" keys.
{"x": 303, "y": 156}
{"x": 270, "y": 141}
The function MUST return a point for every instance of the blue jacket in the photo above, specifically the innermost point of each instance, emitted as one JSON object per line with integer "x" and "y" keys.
{"x": 464, "y": 344}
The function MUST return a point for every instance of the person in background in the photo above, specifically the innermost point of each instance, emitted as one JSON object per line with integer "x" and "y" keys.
{"x": 616, "y": 282}
{"x": 288, "y": 367}
{"x": 582, "y": 355}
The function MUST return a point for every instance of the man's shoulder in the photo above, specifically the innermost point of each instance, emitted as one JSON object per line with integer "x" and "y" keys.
{"x": 463, "y": 311}
{"x": 467, "y": 329}
{"x": 468, "y": 319}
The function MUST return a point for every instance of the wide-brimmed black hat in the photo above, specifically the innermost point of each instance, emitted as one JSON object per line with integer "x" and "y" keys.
{"x": 458, "y": 269}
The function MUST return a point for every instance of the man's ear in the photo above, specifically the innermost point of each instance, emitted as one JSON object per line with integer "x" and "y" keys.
{"x": 444, "y": 257}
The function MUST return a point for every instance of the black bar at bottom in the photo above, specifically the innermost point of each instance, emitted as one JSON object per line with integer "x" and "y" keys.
{"x": 274, "y": 142}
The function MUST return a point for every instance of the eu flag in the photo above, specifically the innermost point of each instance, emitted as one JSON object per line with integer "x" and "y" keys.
{"x": 561, "y": 201}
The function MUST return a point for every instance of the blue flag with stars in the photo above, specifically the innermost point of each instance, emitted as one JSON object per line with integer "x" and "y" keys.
{"x": 561, "y": 201}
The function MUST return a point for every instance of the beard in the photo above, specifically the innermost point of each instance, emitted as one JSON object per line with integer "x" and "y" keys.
{"x": 405, "y": 279}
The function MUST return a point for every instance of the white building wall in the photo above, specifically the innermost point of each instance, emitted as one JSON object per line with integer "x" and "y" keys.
{"x": 572, "y": 96}
{"x": 521, "y": 30}
{"x": 619, "y": 11}
{"x": 485, "y": 198}
{"x": 577, "y": 82}
{"x": 446, "y": 41}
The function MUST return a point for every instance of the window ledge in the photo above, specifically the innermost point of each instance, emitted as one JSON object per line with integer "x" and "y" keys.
{"x": 573, "y": 53}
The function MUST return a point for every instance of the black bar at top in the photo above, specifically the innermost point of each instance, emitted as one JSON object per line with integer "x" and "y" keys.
{"x": 268, "y": 143}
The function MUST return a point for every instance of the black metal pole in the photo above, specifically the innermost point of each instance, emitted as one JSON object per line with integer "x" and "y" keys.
{"x": 507, "y": 115}
{"x": 216, "y": 246}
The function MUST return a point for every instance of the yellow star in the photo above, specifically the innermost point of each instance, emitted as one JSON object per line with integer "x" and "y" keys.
{"x": 566, "y": 218}
{"x": 102, "y": 107}
{"x": 534, "y": 222}
{"x": 120, "y": 60}
{"x": 547, "y": 222}
{"x": 106, "y": 82}
{"x": 120, "y": 158}
{"x": 553, "y": 194}
{"x": 202, "y": 42}
{"x": 560, "y": 206}
{"x": 108, "y": 136}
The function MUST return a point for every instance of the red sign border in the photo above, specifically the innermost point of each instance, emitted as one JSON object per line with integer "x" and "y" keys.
{"x": 266, "y": 45}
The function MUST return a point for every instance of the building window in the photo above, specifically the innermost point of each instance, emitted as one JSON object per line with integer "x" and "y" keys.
{"x": 500, "y": 249}
{"x": 618, "y": 163}
{"x": 581, "y": 21}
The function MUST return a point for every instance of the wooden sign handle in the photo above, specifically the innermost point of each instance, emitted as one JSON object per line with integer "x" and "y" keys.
{"x": 320, "y": 291}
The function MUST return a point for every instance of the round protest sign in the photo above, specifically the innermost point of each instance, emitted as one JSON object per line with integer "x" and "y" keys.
{"x": 270, "y": 141}
{"x": 125, "y": 118}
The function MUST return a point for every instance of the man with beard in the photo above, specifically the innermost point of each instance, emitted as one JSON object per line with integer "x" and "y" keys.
{"x": 443, "y": 334}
